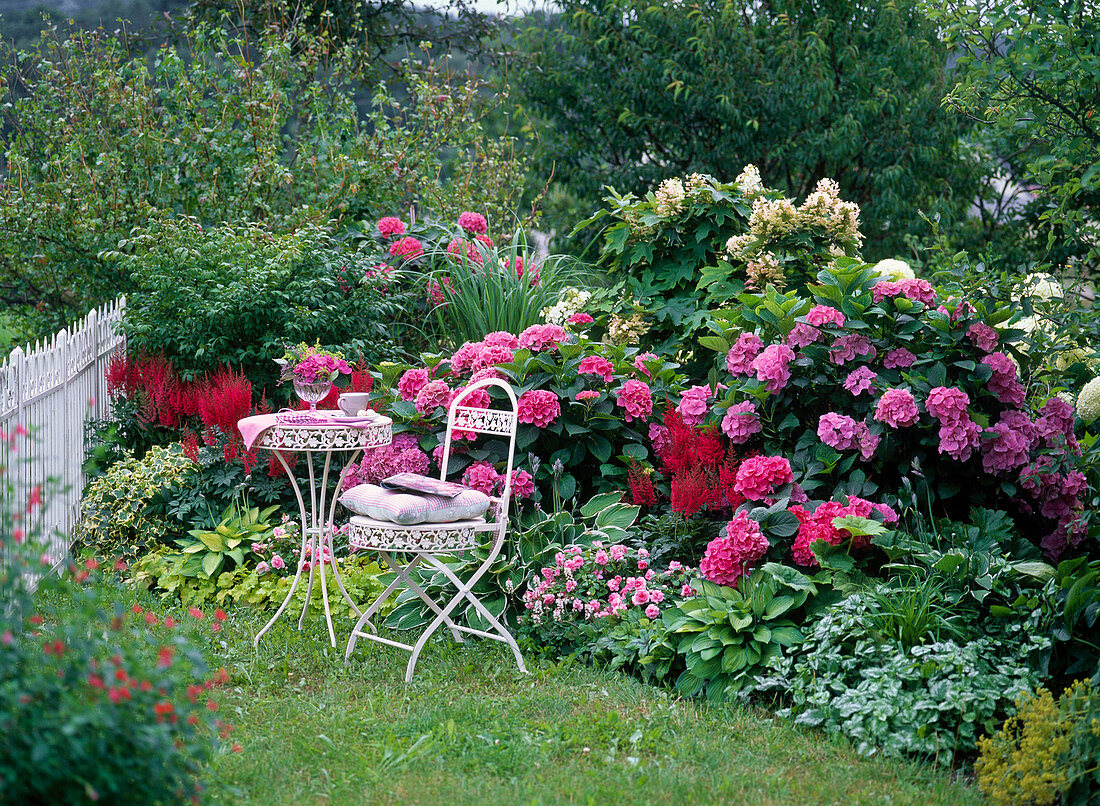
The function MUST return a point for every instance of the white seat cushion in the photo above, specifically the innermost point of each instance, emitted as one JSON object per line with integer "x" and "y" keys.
{"x": 408, "y": 508}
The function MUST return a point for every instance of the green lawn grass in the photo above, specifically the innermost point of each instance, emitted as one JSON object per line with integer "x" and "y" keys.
{"x": 471, "y": 729}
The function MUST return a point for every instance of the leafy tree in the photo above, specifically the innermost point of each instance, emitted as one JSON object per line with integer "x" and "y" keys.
{"x": 632, "y": 92}
{"x": 1029, "y": 74}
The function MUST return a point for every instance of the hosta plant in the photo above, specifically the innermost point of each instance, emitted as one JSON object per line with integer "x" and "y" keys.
{"x": 229, "y": 543}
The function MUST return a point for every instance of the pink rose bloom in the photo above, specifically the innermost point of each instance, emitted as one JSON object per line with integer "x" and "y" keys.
{"x": 635, "y": 399}
{"x": 1006, "y": 451}
{"x": 432, "y": 395}
{"x": 539, "y": 407}
{"x": 686, "y": 591}
{"x": 501, "y": 338}
{"x": 465, "y": 250}
{"x": 983, "y": 337}
{"x": 640, "y": 597}
{"x": 897, "y": 408}
{"x": 587, "y": 394}
{"x": 464, "y": 357}
{"x": 693, "y": 404}
{"x": 730, "y": 556}
{"x": 802, "y": 335}
{"x": 600, "y": 558}
{"x": 390, "y": 225}
{"x": 741, "y": 422}
{"x": 824, "y": 315}
{"x": 652, "y": 611}
{"x": 772, "y": 367}
{"x": 898, "y": 358}
{"x": 959, "y": 438}
{"x": 759, "y": 476}
{"x": 613, "y": 584}
{"x": 1004, "y": 383}
{"x": 278, "y": 563}
{"x": 946, "y": 403}
{"x": 859, "y": 381}
{"x": 473, "y": 223}
{"x": 597, "y": 365}
{"x": 839, "y": 431}
{"x": 848, "y": 347}
{"x": 640, "y": 363}
{"x": 579, "y": 319}
{"x": 407, "y": 248}
{"x": 262, "y": 568}
{"x": 543, "y": 337}
{"x": 412, "y": 381}
{"x": 481, "y": 476}
{"x": 740, "y": 357}
{"x": 491, "y": 356}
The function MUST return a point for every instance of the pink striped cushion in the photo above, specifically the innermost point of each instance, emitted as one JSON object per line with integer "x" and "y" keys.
{"x": 408, "y": 508}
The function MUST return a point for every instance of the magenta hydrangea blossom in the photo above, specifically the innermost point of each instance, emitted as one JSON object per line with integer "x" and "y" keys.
{"x": 465, "y": 356}
{"x": 759, "y": 476}
{"x": 730, "y": 556}
{"x": 740, "y": 357}
{"x": 580, "y": 318}
{"x": 1007, "y": 450}
{"x": 914, "y": 289}
{"x": 947, "y": 403}
{"x": 597, "y": 365}
{"x": 773, "y": 366}
{"x": 403, "y": 455}
{"x": 635, "y": 399}
{"x": 482, "y": 476}
{"x": 897, "y": 408}
{"x": 693, "y": 404}
{"x": 740, "y": 422}
{"x": 407, "y": 248}
{"x": 389, "y": 226}
{"x": 411, "y": 382}
{"x": 982, "y": 336}
{"x": 959, "y": 438}
{"x": 849, "y": 347}
{"x": 432, "y": 395}
{"x": 658, "y": 437}
{"x": 640, "y": 363}
{"x": 898, "y": 358}
{"x": 839, "y": 431}
{"x": 543, "y": 337}
{"x": 1004, "y": 382}
{"x": 490, "y": 356}
{"x": 860, "y": 380}
{"x": 473, "y": 223}
{"x": 538, "y": 407}
{"x": 586, "y": 394}
{"x": 803, "y": 335}
{"x": 501, "y": 338}
{"x": 821, "y": 315}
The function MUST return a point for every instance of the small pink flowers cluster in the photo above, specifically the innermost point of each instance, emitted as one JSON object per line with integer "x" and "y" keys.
{"x": 760, "y": 476}
{"x": 538, "y": 338}
{"x": 740, "y": 422}
{"x": 773, "y": 366}
{"x": 635, "y": 399}
{"x": 917, "y": 290}
{"x": 599, "y": 581}
{"x": 897, "y": 408}
{"x": 735, "y": 553}
{"x": 818, "y": 525}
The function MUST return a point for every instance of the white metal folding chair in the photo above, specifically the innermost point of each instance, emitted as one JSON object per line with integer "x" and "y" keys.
{"x": 424, "y": 541}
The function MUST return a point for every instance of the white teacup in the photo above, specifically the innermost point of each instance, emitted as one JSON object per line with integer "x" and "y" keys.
{"x": 351, "y": 403}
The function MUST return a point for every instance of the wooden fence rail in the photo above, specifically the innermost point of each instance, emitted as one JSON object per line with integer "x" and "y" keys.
{"x": 53, "y": 389}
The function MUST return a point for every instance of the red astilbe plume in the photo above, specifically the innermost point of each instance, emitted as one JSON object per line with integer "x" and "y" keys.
{"x": 226, "y": 398}
{"x": 677, "y": 455}
{"x": 692, "y": 491}
{"x": 642, "y": 493}
{"x": 122, "y": 376}
{"x": 727, "y": 475}
{"x": 190, "y": 442}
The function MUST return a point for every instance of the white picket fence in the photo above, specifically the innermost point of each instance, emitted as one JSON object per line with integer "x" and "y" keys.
{"x": 53, "y": 389}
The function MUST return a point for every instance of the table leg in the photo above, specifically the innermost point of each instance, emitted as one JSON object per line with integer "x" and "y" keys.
{"x": 332, "y": 524}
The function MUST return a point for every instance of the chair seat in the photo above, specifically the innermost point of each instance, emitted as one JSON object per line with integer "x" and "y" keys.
{"x": 367, "y": 533}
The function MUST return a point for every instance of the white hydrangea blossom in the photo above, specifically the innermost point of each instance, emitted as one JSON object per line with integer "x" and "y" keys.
{"x": 670, "y": 197}
{"x": 749, "y": 181}
{"x": 1043, "y": 286}
{"x": 1088, "y": 401}
{"x": 571, "y": 301}
{"x": 894, "y": 270}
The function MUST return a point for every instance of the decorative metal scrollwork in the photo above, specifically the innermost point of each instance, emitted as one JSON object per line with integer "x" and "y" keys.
{"x": 427, "y": 538}
{"x": 313, "y": 437}
{"x": 484, "y": 421}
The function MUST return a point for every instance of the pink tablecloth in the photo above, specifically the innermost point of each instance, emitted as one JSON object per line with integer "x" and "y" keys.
{"x": 252, "y": 427}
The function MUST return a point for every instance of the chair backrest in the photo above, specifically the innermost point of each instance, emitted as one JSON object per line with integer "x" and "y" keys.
{"x": 501, "y": 422}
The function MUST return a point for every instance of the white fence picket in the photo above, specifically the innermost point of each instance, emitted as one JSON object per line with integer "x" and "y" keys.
{"x": 53, "y": 390}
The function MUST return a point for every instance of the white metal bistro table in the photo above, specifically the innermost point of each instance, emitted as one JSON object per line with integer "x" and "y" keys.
{"x": 327, "y": 436}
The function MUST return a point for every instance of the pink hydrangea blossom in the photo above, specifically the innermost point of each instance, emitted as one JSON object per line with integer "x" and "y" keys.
{"x": 407, "y": 248}
{"x": 390, "y": 225}
{"x": 802, "y": 335}
{"x": 476, "y": 399}
{"x": 947, "y": 403}
{"x": 432, "y": 395}
{"x": 473, "y": 223}
{"x": 465, "y": 250}
{"x": 982, "y": 336}
{"x": 539, "y": 407}
{"x": 411, "y": 382}
{"x": 959, "y": 438}
{"x": 640, "y": 363}
{"x": 860, "y": 380}
{"x": 501, "y": 338}
{"x": 741, "y": 422}
{"x": 523, "y": 484}
{"x": 850, "y": 346}
{"x": 580, "y": 319}
{"x": 488, "y": 372}
{"x": 481, "y": 476}
{"x": 897, "y": 408}
{"x": 543, "y": 337}
{"x": 693, "y": 404}
{"x": 1055, "y": 425}
{"x": 492, "y": 355}
{"x": 740, "y": 357}
{"x": 1007, "y": 450}
{"x": 587, "y": 394}
{"x": 730, "y": 556}
{"x": 403, "y": 455}
{"x": 659, "y": 438}
{"x": 917, "y": 290}
{"x": 839, "y": 431}
{"x": 1003, "y": 382}
{"x": 772, "y": 366}
{"x": 597, "y": 365}
{"x": 898, "y": 358}
{"x": 635, "y": 399}
{"x": 759, "y": 476}
{"x": 438, "y": 290}
{"x": 825, "y": 315}
{"x": 464, "y": 357}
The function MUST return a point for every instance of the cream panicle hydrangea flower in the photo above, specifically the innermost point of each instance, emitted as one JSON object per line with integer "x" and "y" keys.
{"x": 1043, "y": 286}
{"x": 894, "y": 270}
{"x": 772, "y": 218}
{"x": 749, "y": 181}
{"x": 670, "y": 197}
{"x": 1088, "y": 401}
{"x": 571, "y": 301}
{"x": 627, "y": 330}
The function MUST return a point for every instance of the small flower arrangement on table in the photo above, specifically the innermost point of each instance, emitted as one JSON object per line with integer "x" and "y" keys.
{"x": 313, "y": 372}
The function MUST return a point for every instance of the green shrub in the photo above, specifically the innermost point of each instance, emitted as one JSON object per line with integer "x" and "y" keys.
{"x": 1047, "y": 753}
{"x": 116, "y": 520}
